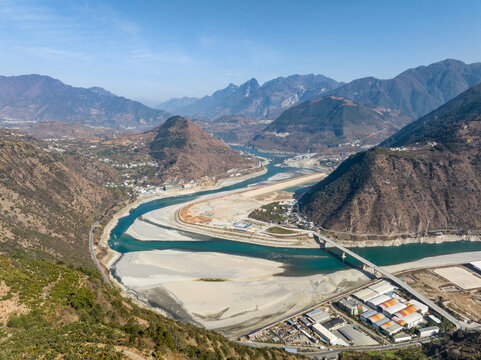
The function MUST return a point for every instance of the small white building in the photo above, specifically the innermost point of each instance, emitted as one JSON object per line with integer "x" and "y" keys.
{"x": 412, "y": 320}
{"x": 402, "y": 337}
{"x": 435, "y": 319}
{"x": 428, "y": 331}
{"x": 327, "y": 336}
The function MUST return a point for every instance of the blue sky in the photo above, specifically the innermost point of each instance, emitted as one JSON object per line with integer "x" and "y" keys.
{"x": 155, "y": 50}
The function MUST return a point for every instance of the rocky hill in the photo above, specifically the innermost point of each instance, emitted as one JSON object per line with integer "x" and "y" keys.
{"x": 48, "y": 199}
{"x": 186, "y": 152}
{"x": 329, "y": 122}
{"x": 428, "y": 180}
{"x": 416, "y": 91}
{"x": 251, "y": 99}
{"x": 36, "y": 98}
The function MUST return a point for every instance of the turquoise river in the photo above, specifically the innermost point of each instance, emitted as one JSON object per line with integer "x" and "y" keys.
{"x": 298, "y": 262}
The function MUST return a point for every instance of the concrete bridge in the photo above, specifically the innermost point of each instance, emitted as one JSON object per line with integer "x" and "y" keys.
{"x": 379, "y": 270}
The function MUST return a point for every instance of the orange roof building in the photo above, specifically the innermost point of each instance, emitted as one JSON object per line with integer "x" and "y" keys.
{"x": 409, "y": 310}
{"x": 376, "y": 317}
{"x": 388, "y": 303}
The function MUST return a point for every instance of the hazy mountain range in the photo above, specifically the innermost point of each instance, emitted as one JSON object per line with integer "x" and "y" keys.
{"x": 427, "y": 180}
{"x": 415, "y": 92}
{"x": 251, "y": 99}
{"x": 36, "y": 98}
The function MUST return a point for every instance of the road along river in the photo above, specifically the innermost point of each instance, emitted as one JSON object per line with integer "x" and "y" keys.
{"x": 234, "y": 286}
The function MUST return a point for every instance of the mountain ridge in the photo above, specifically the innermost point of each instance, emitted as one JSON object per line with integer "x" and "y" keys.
{"x": 329, "y": 122}
{"x": 428, "y": 180}
{"x": 415, "y": 92}
{"x": 36, "y": 98}
{"x": 251, "y": 99}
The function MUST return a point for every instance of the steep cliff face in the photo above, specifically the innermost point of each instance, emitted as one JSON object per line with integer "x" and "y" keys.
{"x": 428, "y": 180}
{"x": 186, "y": 152}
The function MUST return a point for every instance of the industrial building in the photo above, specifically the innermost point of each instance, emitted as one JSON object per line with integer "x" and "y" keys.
{"x": 334, "y": 324}
{"x": 382, "y": 287}
{"x": 378, "y": 300}
{"x": 390, "y": 311}
{"x": 422, "y": 308}
{"x": 387, "y": 304}
{"x": 327, "y": 336}
{"x": 349, "y": 306}
{"x": 304, "y": 321}
{"x": 380, "y": 322}
{"x": 318, "y": 316}
{"x": 404, "y": 312}
{"x": 375, "y": 318}
{"x": 365, "y": 294}
{"x": 355, "y": 336}
{"x": 402, "y": 337}
{"x": 390, "y": 327}
{"x": 412, "y": 320}
{"x": 428, "y": 331}
{"x": 368, "y": 314}
{"x": 476, "y": 265}
{"x": 398, "y": 320}
{"x": 435, "y": 319}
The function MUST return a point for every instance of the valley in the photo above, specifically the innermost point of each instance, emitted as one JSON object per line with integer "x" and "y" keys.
{"x": 245, "y": 243}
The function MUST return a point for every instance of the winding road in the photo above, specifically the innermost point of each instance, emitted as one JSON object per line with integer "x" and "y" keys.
{"x": 91, "y": 247}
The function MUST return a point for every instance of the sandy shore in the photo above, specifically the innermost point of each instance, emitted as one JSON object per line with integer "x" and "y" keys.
{"x": 248, "y": 292}
{"x": 235, "y": 294}
{"x": 440, "y": 260}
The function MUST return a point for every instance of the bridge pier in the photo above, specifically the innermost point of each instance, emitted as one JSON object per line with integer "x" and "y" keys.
{"x": 343, "y": 256}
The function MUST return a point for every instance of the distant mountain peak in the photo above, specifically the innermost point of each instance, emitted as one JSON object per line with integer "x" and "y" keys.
{"x": 38, "y": 98}
{"x": 251, "y": 99}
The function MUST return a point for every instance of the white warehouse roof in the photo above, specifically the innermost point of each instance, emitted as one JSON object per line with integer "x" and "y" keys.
{"x": 365, "y": 294}
{"x": 382, "y": 287}
{"x": 318, "y": 315}
{"x": 378, "y": 300}
{"x": 412, "y": 319}
{"x": 390, "y": 311}
{"x": 327, "y": 335}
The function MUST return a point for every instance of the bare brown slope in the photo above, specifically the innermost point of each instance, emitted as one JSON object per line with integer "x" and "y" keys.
{"x": 328, "y": 123}
{"x": 427, "y": 184}
{"x": 48, "y": 200}
{"x": 186, "y": 152}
